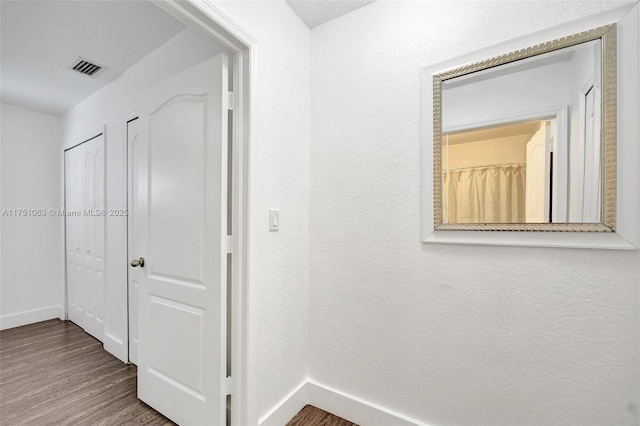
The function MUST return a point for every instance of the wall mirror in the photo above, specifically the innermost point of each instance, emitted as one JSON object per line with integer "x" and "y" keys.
{"x": 526, "y": 141}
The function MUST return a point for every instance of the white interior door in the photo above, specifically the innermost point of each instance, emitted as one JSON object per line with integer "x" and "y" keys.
{"x": 133, "y": 278}
{"x": 537, "y": 177}
{"x": 180, "y": 224}
{"x": 84, "y": 228}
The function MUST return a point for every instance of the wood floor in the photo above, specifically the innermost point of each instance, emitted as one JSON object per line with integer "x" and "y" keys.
{"x": 53, "y": 373}
{"x": 312, "y": 416}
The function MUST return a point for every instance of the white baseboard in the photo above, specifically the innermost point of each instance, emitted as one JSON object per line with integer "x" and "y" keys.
{"x": 354, "y": 409}
{"x": 348, "y": 407}
{"x": 29, "y": 317}
{"x": 287, "y": 408}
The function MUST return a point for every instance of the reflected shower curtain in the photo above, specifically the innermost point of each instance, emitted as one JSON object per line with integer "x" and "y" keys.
{"x": 494, "y": 194}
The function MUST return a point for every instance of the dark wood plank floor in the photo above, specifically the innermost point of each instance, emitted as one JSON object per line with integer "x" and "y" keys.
{"x": 312, "y": 416}
{"x": 53, "y": 373}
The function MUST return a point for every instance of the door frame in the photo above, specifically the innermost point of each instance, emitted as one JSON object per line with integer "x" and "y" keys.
{"x": 127, "y": 191}
{"x": 208, "y": 19}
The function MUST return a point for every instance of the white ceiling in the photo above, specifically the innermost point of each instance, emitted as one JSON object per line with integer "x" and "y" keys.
{"x": 40, "y": 39}
{"x": 317, "y": 12}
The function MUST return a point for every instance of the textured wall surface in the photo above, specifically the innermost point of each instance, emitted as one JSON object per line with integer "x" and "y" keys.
{"x": 281, "y": 258}
{"x": 447, "y": 334}
{"x": 32, "y": 256}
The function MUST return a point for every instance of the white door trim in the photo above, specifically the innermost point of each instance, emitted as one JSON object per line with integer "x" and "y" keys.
{"x": 206, "y": 17}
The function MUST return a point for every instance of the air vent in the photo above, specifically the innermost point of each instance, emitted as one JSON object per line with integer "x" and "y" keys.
{"x": 86, "y": 67}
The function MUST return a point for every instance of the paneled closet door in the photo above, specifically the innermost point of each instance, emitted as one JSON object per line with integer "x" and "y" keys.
{"x": 84, "y": 218}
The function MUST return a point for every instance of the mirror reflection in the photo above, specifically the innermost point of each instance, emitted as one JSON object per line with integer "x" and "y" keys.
{"x": 522, "y": 142}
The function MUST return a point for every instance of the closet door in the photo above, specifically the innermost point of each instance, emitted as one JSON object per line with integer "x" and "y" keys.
{"x": 84, "y": 227}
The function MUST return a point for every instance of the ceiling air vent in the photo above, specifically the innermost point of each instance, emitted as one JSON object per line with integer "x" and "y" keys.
{"x": 86, "y": 67}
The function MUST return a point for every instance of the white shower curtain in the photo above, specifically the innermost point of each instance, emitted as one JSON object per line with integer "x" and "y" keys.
{"x": 494, "y": 194}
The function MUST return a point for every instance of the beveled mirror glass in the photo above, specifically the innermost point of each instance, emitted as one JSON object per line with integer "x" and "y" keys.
{"x": 527, "y": 140}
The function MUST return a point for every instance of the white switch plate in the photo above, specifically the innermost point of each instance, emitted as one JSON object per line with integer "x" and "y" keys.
{"x": 274, "y": 220}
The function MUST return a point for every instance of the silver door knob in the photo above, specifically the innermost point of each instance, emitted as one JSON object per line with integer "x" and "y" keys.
{"x": 137, "y": 262}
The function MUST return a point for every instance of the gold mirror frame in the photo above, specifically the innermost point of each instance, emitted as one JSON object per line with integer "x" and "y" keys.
{"x": 609, "y": 73}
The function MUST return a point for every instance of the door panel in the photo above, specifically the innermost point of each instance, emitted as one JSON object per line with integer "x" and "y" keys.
{"x": 84, "y": 221}
{"x": 180, "y": 355}
{"x": 179, "y": 223}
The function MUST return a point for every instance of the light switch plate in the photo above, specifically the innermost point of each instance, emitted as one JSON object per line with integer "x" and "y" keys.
{"x": 274, "y": 220}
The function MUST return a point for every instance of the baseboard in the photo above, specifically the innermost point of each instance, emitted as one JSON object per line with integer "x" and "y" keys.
{"x": 287, "y": 408}
{"x": 29, "y": 317}
{"x": 348, "y": 407}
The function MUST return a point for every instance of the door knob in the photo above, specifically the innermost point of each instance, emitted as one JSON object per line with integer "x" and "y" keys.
{"x": 137, "y": 262}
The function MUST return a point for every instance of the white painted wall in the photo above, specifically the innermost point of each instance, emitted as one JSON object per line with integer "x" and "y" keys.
{"x": 111, "y": 106}
{"x": 281, "y": 259}
{"x": 447, "y": 334}
{"x": 32, "y": 250}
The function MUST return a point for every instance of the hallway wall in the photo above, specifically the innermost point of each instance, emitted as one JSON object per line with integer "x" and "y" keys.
{"x": 32, "y": 269}
{"x": 447, "y": 334}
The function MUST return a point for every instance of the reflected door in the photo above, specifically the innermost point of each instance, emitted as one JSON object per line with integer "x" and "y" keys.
{"x": 179, "y": 223}
{"x": 538, "y": 175}
{"x": 592, "y": 170}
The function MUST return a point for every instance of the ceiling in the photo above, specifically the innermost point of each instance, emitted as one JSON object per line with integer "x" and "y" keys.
{"x": 40, "y": 39}
{"x": 317, "y": 12}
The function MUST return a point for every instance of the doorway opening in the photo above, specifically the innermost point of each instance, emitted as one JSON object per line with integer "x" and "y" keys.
{"x": 106, "y": 99}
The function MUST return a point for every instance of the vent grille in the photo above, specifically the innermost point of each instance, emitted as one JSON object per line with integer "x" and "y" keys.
{"x": 86, "y": 67}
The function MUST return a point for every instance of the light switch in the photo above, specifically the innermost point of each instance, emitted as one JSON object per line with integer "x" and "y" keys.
{"x": 274, "y": 220}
